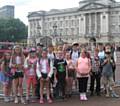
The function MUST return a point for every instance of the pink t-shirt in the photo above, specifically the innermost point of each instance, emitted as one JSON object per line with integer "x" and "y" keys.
{"x": 83, "y": 67}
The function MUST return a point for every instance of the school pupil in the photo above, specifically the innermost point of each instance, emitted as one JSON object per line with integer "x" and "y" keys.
{"x": 6, "y": 77}
{"x": 107, "y": 73}
{"x": 71, "y": 74}
{"x": 30, "y": 73}
{"x": 60, "y": 76}
{"x": 44, "y": 72}
{"x": 95, "y": 74}
{"x": 17, "y": 67}
{"x": 83, "y": 68}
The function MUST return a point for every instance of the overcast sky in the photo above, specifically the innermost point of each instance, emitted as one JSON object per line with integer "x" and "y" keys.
{"x": 22, "y": 7}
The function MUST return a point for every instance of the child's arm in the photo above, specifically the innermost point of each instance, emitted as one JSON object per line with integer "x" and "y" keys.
{"x": 51, "y": 70}
{"x": 2, "y": 67}
{"x": 38, "y": 71}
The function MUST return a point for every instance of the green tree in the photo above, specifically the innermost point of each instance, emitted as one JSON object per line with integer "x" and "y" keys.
{"x": 12, "y": 30}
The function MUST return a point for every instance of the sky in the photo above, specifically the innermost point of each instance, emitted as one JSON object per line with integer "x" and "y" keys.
{"x": 22, "y": 7}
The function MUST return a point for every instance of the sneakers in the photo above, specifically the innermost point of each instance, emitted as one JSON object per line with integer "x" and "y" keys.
{"x": 11, "y": 98}
{"x": 83, "y": 97}
{"x": 22, "y": 100}
{"x": 114, "y": 95}
{"x": 42, "y": 101}
{"x": 16, "y": 100}
{"x": 6, "y": 99}
{"x": 49, "y": 101}
{"x": 107, "y": 95}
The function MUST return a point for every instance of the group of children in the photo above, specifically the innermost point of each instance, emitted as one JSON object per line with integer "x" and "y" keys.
{"x": 44, "y": 69}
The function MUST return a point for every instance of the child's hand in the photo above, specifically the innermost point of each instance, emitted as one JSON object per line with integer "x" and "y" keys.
{"x": 41, "y": 79}
{"x": 106, "y": 60}
{"x": 66, "y": 77}
{"x": 47, "y": 79}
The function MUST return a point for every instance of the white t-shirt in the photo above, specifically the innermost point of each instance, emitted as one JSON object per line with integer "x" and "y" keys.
{"x": 18, "y": 60}
{"x": 43, "y": 66}
{"x": 101, "y": 54}
{"x": 51, "y": 56}
{"x": 31, "y": 71}
{"x": 75, "y": 56}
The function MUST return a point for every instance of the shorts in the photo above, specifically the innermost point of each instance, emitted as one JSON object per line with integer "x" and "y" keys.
{"x": 18, "y": 75}
{"x": 32, "y": 80}
{"x": 108, "y": 81}
{"x": 71, "y": 73}
{"x": 44, "y": 76}
{"x": 5, "y": 79}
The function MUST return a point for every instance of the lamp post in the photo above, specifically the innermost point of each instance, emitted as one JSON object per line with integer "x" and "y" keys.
{"x": 92, "y": 42}
{"x": 55, "y": 33}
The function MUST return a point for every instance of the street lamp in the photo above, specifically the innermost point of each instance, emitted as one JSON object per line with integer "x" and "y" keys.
{"x": 55, "y": 33}
{"x": 55, "y": 29}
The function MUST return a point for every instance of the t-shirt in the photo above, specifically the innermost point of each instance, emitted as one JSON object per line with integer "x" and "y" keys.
{"x": 18, "y": 60}
{"x": 95, "y": 64}
{"x": 60, "y": 65}
{"x": 108, "y": 69}
{"x": 83, "y": 67}
{"x": 75, "y": 56}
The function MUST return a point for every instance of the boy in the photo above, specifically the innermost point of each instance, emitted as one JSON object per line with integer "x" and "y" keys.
{"x": 60, "y": 65}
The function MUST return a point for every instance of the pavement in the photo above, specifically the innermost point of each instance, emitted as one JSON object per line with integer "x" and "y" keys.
{"x": 92, "y": 101}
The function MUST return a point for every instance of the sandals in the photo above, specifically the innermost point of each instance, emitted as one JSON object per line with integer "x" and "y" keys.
{"x": 49, "y": 101}
{"x": 41, "y": 101}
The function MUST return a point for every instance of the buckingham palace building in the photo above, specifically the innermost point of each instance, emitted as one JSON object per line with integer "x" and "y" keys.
{"x": 93, "y": 18}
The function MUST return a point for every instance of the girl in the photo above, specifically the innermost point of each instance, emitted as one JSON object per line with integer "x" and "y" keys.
{"x": 71, "y": 73}
{"x": 17, "y": 64}
{"x": 30, "y": 67}
{"x": 7, "y": 77}
{"x": 83, "y": 68}
{"x": 44, "y": 73}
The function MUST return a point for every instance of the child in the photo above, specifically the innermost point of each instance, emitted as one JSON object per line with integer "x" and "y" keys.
{"x": 83, "y": 68}
{"x": 60, "y": 65}
{"x": 30, "y": 66}
{"x": 107, "y": 73}
{"x": 44, "y": 73}
{"x": 95, "y": 74}
{"x": 17, "y": 64}
{"x": 7, "y": 77}
{"x": 71, "y": 73}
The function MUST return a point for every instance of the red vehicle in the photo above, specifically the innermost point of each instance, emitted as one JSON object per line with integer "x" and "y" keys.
{"x": 5, "y": 47}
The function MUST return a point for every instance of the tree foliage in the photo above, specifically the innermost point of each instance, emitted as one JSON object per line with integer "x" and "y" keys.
{"x": 12, "y": 30}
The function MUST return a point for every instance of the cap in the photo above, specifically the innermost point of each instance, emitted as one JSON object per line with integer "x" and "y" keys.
{"x": 75, "y": 44}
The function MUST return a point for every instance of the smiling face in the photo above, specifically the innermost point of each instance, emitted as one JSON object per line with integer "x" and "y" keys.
{"x": 7, "y": 56}
{"x": 44, "y": 54}
{"x": 32, "y": 54}
{"x": 60, "y": 54}
{"x": 17, "y": 50}
{"x": 67, "y": 55}
{"x": 83, "y": 53}
{"x": 50, "y": 49}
